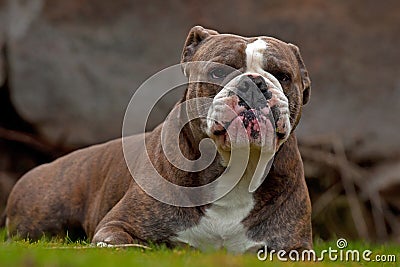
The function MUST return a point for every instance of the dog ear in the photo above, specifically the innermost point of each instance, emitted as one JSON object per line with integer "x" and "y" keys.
{"x": 196, "y": 35}
{"x": 305, "y": 79}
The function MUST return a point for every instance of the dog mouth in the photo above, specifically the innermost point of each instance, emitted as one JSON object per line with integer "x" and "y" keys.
{"x": 250, "y": 126}
{"x": 249, "y": 120}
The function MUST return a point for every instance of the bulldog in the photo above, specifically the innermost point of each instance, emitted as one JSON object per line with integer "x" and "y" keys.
{"x": 256, "y": 98}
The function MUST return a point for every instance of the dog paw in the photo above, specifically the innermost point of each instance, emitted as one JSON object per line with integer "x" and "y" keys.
{"x": 103, "y": 244}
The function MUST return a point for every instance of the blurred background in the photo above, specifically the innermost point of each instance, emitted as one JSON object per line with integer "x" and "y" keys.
{"x": 69, "y": 67}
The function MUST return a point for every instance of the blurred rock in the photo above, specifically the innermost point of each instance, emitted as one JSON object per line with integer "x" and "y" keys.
{"x": 351, "y": 51}
{"x": 76, "y": 63}
{"x": 7, "y": 181}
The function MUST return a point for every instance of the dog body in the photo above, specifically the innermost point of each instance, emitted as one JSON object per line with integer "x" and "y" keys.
{"x": 91, "y": 191}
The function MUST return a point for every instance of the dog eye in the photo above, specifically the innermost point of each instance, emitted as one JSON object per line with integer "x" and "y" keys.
{"x": 282, "y": 77}
{"x": 218, "y": 73}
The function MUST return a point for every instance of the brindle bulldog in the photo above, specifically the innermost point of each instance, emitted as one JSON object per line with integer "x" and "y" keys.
{"x": 258, "y": 105}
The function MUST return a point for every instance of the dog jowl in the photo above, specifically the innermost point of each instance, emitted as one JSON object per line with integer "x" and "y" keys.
{"x": 257, "y": 87}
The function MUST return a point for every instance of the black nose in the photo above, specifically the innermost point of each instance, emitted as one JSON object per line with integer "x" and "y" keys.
{"x": 259, "y": 82}
{"x": 251, "y": 80}
{"x": 249, "y": 95}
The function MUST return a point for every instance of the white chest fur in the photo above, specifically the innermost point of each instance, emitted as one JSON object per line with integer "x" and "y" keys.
{"x": 221, "y": 226}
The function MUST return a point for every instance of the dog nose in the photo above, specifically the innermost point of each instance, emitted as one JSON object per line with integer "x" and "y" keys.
{"x": 249, "y": 81}
{"x": 249, "y": 96}
{"x": 258, "y": 81}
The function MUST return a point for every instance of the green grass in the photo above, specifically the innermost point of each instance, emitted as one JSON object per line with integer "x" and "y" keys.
{"x": 65, "y": 253}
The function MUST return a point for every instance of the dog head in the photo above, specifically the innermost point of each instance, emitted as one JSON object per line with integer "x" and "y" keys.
{"x": 258, "y": 84}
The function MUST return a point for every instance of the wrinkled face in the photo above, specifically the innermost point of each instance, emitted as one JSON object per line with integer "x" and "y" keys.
{"x": 256, "y": 88}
